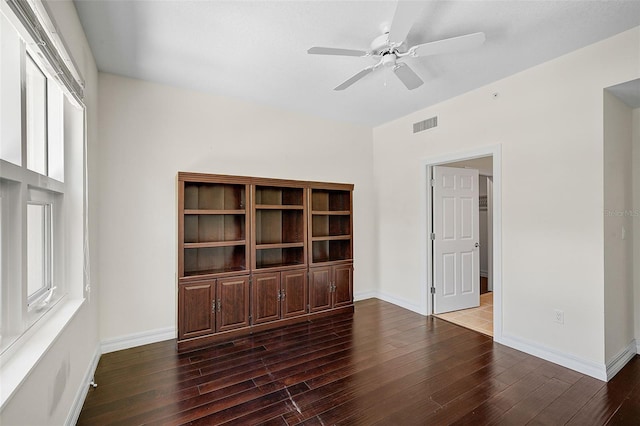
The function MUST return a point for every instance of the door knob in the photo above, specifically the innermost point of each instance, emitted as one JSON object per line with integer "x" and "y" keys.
{"x": 477, "y": 245}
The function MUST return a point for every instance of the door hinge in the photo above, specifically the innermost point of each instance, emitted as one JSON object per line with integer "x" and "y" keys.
{"x": 433, "y": 236}
{"x": 433, "y": 290}
{"x": 433, "y": 182}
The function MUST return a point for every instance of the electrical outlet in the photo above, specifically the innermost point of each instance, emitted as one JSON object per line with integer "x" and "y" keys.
{"x": 558, "y": 316}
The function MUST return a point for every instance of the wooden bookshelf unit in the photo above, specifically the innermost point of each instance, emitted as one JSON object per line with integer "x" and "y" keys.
{"x": 258, "y": 253}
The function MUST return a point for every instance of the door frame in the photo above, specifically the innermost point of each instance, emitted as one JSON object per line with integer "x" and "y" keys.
{"x": 494, "y": 151}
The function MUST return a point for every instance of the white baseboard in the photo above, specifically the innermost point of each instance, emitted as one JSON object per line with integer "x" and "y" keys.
{"x": 81, "y": 394}
{"x": 403, "y": 303}
{"x": 138, "y": 339}
{"x": 590, "y": 368}
{"x": 363, "y": 295}
{"x": 484, "y": 274}
{"x": 615, "y": 364}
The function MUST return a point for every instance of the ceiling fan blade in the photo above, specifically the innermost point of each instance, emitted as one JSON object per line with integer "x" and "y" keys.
{"x": 407, "y": 76}
{"x": 355, "y": 78}
{"x": 448, "y": 45}
{"x": 404, "y": 18}
{"x": 334, "y": 51}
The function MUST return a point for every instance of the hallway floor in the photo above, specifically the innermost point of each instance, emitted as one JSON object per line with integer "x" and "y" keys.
{"x": 479, "y": 319}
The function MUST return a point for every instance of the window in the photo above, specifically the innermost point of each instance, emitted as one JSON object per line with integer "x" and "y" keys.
{"x": 41, "y": 184}
{"x": 36, "y": 100}
{"x": 39, "y": 253}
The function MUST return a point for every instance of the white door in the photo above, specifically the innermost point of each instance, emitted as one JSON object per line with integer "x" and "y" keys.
{"x": 456, "y": 260}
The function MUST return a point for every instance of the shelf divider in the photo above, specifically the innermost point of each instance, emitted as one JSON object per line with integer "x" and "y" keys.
{"x": 331, "y": 212}
{"x": 332, "y": 238}
{"x": 205, "y": 211}
{"x": 278, "y": 245}
{"x": 278, "y": 207}
{"x": 215, "y": 244}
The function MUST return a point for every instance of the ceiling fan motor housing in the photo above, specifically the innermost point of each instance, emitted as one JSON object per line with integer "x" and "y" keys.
{"x": 381, "y": 45}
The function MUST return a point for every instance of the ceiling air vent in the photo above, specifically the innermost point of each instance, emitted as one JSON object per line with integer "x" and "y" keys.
{"x": 425, "y": 124}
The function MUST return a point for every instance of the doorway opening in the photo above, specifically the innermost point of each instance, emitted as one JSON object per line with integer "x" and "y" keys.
{"x": 451, "y": 274}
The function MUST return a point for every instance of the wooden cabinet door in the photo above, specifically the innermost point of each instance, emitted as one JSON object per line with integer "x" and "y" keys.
{"x": 319, "y": 294}
{"x": 233, "y": 303}
{"x": 196, "y": 303}
{"x": 294, "y": 293}
{"x": 343, "y": 285}
{"x": 266, "y": 297}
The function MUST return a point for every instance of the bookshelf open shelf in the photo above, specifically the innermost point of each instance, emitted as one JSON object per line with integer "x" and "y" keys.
{"x": 331, "y": 223}
{"x": 211, "y": 260}
{"x": 279, "y": 224}
{"x": 213, "y": 225}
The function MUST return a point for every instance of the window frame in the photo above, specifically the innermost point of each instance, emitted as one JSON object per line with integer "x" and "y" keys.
{"x": 21, "y": 186}
{"x": 26, "y": 336}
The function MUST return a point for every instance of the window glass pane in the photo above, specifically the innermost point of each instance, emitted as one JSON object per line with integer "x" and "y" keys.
{"x": 55, "y": 130}
{"x": 36, "y": 248}
{"x": 10, "y": 111}
{"x": 36, "y": 83}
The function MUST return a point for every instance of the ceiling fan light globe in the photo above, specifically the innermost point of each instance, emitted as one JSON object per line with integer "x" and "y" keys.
{"x": 389, "y": 60}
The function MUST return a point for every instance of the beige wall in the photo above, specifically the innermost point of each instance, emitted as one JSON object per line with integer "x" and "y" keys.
{"x": 149, "y": 132}
{"x": 618, "y": 238}
{"x": 636, "y": 216}
{"x": 48, "y": 393}
{"x": 548, "y": 121}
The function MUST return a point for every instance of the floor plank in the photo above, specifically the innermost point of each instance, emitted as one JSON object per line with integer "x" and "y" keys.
{"x": 382, "y": 365}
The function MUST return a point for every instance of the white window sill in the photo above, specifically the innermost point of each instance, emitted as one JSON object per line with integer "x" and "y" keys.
{"x": 18, "y": 361}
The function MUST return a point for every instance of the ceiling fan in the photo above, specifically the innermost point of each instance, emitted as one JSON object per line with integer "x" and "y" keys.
{"x": 389, "y": 49}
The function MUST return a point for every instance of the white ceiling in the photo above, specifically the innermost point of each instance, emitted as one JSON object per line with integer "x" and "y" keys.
{"x": 256, "y": 50}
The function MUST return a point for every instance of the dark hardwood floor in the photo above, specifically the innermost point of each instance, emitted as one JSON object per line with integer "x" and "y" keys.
{"x": 382, "y": 365}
